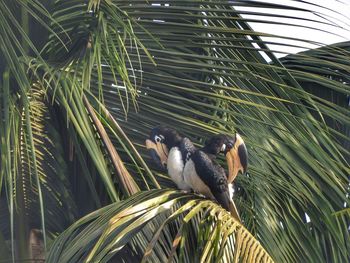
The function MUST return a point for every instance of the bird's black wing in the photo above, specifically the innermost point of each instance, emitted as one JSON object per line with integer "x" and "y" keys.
{"x": 187, "y": 149}
{"x": 214, "y": 176}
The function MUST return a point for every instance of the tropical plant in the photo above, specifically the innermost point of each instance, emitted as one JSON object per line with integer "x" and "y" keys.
{"x": 78, "y": 100}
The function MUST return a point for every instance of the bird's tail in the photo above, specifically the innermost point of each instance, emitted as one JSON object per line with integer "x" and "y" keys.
{"x": 233, "y": 210}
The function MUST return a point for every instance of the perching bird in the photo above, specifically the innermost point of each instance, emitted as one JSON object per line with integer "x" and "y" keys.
{"x": 168, "y": 149}
{"x": 207, "y": 177}
{"x": 192, "y": 168}
{"x": 236, "y": 155}
{"x": 234, "y": 149}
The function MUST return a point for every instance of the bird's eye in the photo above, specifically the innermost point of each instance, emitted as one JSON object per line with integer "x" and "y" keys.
{"x": 157, "y": 139}
{"x": 223, "y": 147}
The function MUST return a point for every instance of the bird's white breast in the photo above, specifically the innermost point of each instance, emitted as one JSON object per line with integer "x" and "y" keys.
{"x": 194, "y": 181}
{"x": 175, "y": 167}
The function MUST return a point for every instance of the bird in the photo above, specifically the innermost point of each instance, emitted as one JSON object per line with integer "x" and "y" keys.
{"x": 170, "y": 152}
{"x": 207, "y": 177}
{"x": 233, "y": 147}
{"x": 235, "y": 150}
{"x": 192, "y": 168}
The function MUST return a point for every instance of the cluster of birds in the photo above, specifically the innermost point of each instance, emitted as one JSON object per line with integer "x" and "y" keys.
{"x": 196, "y": 169}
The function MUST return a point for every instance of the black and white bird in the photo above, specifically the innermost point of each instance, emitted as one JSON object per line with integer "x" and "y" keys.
{"x": 170, "y": 151}
{"x": 196, "y": 169}
{"x": 236, "y": 153}
{"x": 207, "y": 177}
{"x": 233, "y": 147}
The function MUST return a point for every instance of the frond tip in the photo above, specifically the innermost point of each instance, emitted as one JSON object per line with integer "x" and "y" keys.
{"x": 159, "y": 226}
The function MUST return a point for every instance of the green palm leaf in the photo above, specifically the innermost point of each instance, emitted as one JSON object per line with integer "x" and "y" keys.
{"x": 105, "y": 233}
{"x": 35, "y": 174}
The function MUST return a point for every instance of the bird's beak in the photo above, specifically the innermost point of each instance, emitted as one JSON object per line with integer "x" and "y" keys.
{"x": 158, "y": 152}
{"x": 237, "y": 159}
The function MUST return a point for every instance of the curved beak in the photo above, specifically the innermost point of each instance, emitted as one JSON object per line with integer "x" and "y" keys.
{"x": 237, "y": 159}
{"x": 158, "y": 152}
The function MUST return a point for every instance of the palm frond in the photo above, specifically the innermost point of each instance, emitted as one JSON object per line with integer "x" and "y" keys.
{"x": 104, "y": 234}
{"x": 96, "y": 38}
{"x": 125, "y": 178}
{"x": 35, "y": 175}
{"x": 210, "y": 79}
{"x": 345, "y": 211}
{"x": 199, "y": 67}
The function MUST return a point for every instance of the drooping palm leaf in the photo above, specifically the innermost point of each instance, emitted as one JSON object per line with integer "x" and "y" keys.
{"x": 103, "y": 234}
{"x": 35, "y": 172}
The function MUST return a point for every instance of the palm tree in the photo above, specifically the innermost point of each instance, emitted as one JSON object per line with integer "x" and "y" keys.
{"x": 79, "y": 95}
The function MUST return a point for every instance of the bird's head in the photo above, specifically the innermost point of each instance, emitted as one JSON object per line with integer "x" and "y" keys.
{"x": 159, "y": 143}
{"x": 233, "y": 148}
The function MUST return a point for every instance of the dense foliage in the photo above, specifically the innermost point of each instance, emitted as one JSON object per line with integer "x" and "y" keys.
{"x": 82, "y": 84}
